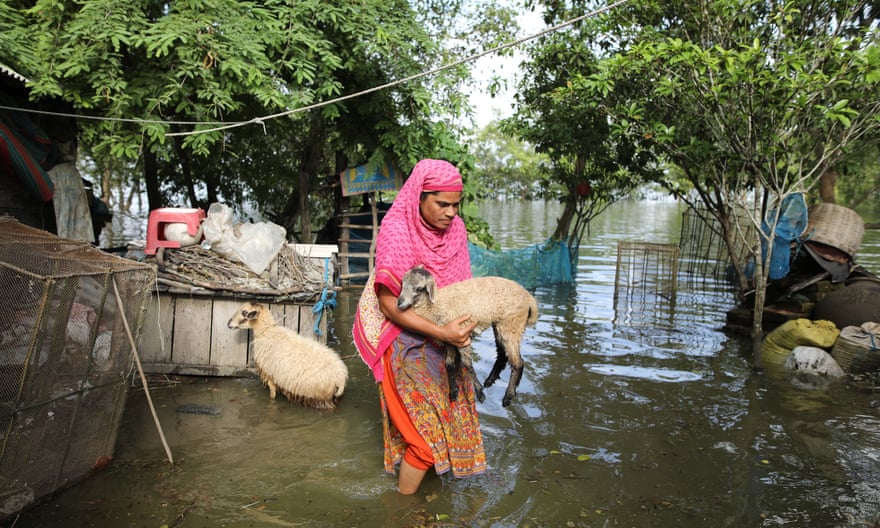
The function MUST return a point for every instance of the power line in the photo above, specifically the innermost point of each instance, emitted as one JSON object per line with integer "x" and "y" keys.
{"x": 221, "y": 125}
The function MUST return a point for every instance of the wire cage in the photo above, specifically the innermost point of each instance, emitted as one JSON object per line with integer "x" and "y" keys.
{"x": 646, "y": 281}
{"x": 65, "y": 358}
{"x": 704, "y": 255}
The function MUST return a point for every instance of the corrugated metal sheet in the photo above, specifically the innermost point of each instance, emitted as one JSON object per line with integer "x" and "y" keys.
{"x": 6, "y": 70}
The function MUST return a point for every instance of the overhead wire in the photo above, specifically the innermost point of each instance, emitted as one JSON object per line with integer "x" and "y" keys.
{"x": 222, "y": 125}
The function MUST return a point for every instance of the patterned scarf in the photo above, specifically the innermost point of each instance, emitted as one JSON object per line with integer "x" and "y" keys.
{"x": 405, "y": 240}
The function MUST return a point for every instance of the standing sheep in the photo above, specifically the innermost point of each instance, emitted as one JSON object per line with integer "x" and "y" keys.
{"x": 491, "y": 301}
{"x": 302, "y": 369}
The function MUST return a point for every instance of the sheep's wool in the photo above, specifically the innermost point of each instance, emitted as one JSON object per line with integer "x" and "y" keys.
{"x": 303, "y": 369}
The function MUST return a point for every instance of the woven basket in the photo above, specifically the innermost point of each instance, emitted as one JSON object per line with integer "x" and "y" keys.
{"x": 857, "y": 349}
{"x": 836, "y": 226}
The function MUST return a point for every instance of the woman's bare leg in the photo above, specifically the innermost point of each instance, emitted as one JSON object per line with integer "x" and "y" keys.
{"x": 409, "y": 478}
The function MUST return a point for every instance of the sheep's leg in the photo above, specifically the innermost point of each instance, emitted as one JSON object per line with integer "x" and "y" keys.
{"x": 466, "y": 355}
{"x": 272, "y": 389}
{"x": 512, "y": 384}
{"x": 453, "y": 370}
{"x": 516, "y": 370}
{"x": 500, "y": 359}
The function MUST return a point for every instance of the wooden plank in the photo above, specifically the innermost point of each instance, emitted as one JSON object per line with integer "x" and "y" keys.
{"x": 357, "y": 213}
{"x": 322, "y": 325}
{"x": 192, "y": 335}
{"x": 279, "y": 314}
{"x": 307, "y": 322}
{"x": 156, "y": 344}
{"x": 317, "y": 251}
{"x": 373, "y": 236}
{"x": 229, "y": 347}
{"x": 343, "y": 249}
{"x": 354, "y": 274}
{"x": 197, "y": 340}
{"x": 290, "y": 317}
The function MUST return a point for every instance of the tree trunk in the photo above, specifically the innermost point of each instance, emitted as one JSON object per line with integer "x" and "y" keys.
{"x": 305, "y": 215}
{"x": 760, "y": 273}
{"x": 728, "y": 234}
{"x": 186, "y": 168}
{"x": 309, "y": 171}
{"x": 826, "y": 186}
{"x": 564, "y": 223}
{"x": 151, "y": 179}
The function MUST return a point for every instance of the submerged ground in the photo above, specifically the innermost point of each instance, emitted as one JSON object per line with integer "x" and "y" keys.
{"x": 641, "y": 414}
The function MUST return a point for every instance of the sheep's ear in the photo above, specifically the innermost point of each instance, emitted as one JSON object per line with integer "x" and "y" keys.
{"x": 429, "y": 289}
{"x": 251, "y": 314}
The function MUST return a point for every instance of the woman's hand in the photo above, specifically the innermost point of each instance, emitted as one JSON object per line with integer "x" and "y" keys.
{"x": 458, "y": 332}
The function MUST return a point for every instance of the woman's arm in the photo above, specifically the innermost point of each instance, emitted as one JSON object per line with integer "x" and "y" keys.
{"x": 452, "y": 332}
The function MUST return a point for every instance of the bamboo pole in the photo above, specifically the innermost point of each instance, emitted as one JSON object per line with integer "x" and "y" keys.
{"x": 140, "y": 368}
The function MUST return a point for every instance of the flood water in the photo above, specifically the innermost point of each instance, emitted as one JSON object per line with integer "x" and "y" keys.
{"x": 651, "y": 417}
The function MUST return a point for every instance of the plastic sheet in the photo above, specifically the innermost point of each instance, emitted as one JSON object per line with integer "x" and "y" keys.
{"x": 254, "y": 245}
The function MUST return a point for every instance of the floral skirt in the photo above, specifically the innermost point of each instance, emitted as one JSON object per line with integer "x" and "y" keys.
{"x": 451, "y": 430}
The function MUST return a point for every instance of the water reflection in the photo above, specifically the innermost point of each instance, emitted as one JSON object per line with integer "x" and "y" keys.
{"x": 656, "y": 423}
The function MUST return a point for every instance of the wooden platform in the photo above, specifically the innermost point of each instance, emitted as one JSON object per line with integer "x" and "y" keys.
{"x": 185, "y": 330}
{"x": 187, "y": 334}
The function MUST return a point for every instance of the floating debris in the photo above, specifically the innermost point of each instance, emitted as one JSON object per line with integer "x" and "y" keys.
{"x": 198, "y": 408}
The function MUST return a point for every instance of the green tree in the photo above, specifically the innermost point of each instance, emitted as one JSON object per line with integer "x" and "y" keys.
{"x": 172, "y": 75}
{"x": 751, "y": 100}
{"x": 508, "y": 167}
{"x": 859, "y": 184}
{"x": 588, "y": 167}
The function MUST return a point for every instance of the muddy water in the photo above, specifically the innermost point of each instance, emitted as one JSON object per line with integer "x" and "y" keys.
{"x": 651, "y": 417}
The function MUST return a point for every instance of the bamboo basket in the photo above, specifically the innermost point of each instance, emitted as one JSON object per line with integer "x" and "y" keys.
{"x": 857, "y": 349}
{"x": 835, "y": 226}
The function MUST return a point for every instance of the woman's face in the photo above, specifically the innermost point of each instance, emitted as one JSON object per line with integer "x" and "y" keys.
{"x": 439, "y": 208}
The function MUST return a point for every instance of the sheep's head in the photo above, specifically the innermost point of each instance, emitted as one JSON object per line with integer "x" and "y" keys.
{"x": 417, "y": 284}
{"x": 246, "y": 316}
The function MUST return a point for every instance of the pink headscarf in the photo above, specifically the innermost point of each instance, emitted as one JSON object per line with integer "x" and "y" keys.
{"x": 405, "y": 240}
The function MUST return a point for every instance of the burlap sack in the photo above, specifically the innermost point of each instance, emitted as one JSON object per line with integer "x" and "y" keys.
{"x": 779, "y": 343}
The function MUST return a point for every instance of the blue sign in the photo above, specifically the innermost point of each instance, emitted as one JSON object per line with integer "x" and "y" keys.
{"x": 361, "y": 179}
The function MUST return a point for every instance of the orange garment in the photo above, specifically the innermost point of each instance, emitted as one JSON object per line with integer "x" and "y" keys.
{"x": 420, "y": 424}
{"x": 418, "y": 453}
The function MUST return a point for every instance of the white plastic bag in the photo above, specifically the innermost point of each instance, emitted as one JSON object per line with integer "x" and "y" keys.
{"x": 259, "y": 244}
{"x": 254, "y": 245}
{"x": 218, "y": 229}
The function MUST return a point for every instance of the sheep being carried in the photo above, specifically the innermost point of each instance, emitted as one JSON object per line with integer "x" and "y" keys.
{"x": 302, "y": 369}
{"x": 490, "y": 301}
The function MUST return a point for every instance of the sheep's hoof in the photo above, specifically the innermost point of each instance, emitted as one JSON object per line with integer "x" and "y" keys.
{"x": 453, "y": 394}
{"x": 506, "y": 400}
{"x": 481, "y": 396}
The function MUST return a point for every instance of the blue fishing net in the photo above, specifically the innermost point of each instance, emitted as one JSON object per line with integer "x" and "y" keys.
{"x": 547, "y": 262}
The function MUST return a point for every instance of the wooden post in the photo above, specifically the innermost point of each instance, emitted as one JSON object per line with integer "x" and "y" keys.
{"x": 375, "y": 225}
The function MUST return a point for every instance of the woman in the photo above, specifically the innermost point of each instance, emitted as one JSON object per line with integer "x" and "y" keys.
{"x": 421, "y": 427}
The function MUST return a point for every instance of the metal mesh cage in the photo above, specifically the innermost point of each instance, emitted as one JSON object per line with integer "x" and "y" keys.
{"x": 704, "y": 255}
{"x": 65, "y": 358}
{"x": 645, "y": 281}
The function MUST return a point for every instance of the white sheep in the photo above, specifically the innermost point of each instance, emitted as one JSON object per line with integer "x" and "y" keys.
{"x": 302, "y": 369}
{"x": 490, "y": 301}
